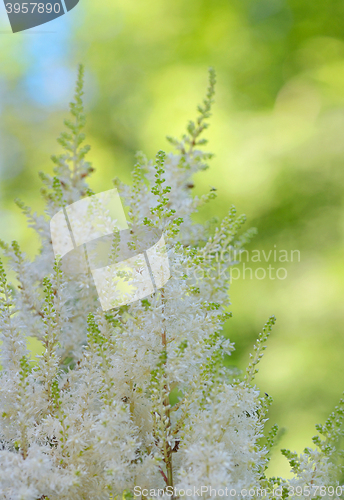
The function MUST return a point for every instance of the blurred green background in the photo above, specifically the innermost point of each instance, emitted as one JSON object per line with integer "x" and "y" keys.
{"x": 276, "y": 131}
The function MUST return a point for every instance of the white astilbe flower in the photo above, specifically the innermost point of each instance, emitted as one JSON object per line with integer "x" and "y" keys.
{"x": 137, "y": 396}
{"x": 220, "y": 445}
{"x": 25, "y": 479}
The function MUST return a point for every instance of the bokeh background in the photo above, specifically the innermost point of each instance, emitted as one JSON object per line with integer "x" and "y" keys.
{"x": 277, "y": 133}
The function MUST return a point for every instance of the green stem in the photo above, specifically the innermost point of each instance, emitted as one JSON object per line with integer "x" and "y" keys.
{"x": 167, "y": 446}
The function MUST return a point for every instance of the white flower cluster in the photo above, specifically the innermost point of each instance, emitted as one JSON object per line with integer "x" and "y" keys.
{"x": 138, "y": 395}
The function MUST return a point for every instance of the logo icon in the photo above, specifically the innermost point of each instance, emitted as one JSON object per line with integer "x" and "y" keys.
{"x": 92, "y": 235}
{"x": 24, "y": 15}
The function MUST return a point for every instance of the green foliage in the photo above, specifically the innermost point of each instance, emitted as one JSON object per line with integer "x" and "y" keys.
{"x": 292, "y": 458}
{"x": 72, "y": 140}
{"x": 332, "y": 430}
{"x": 195, "y": 129}
{"x": 6, "y": 295}
{"x": 94, "y": 336}
{"x": 70, "y": 167}
{"x": 25, "y": 370}
{"x": 259, "y": 349}
{"x": 158, "y": 190}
